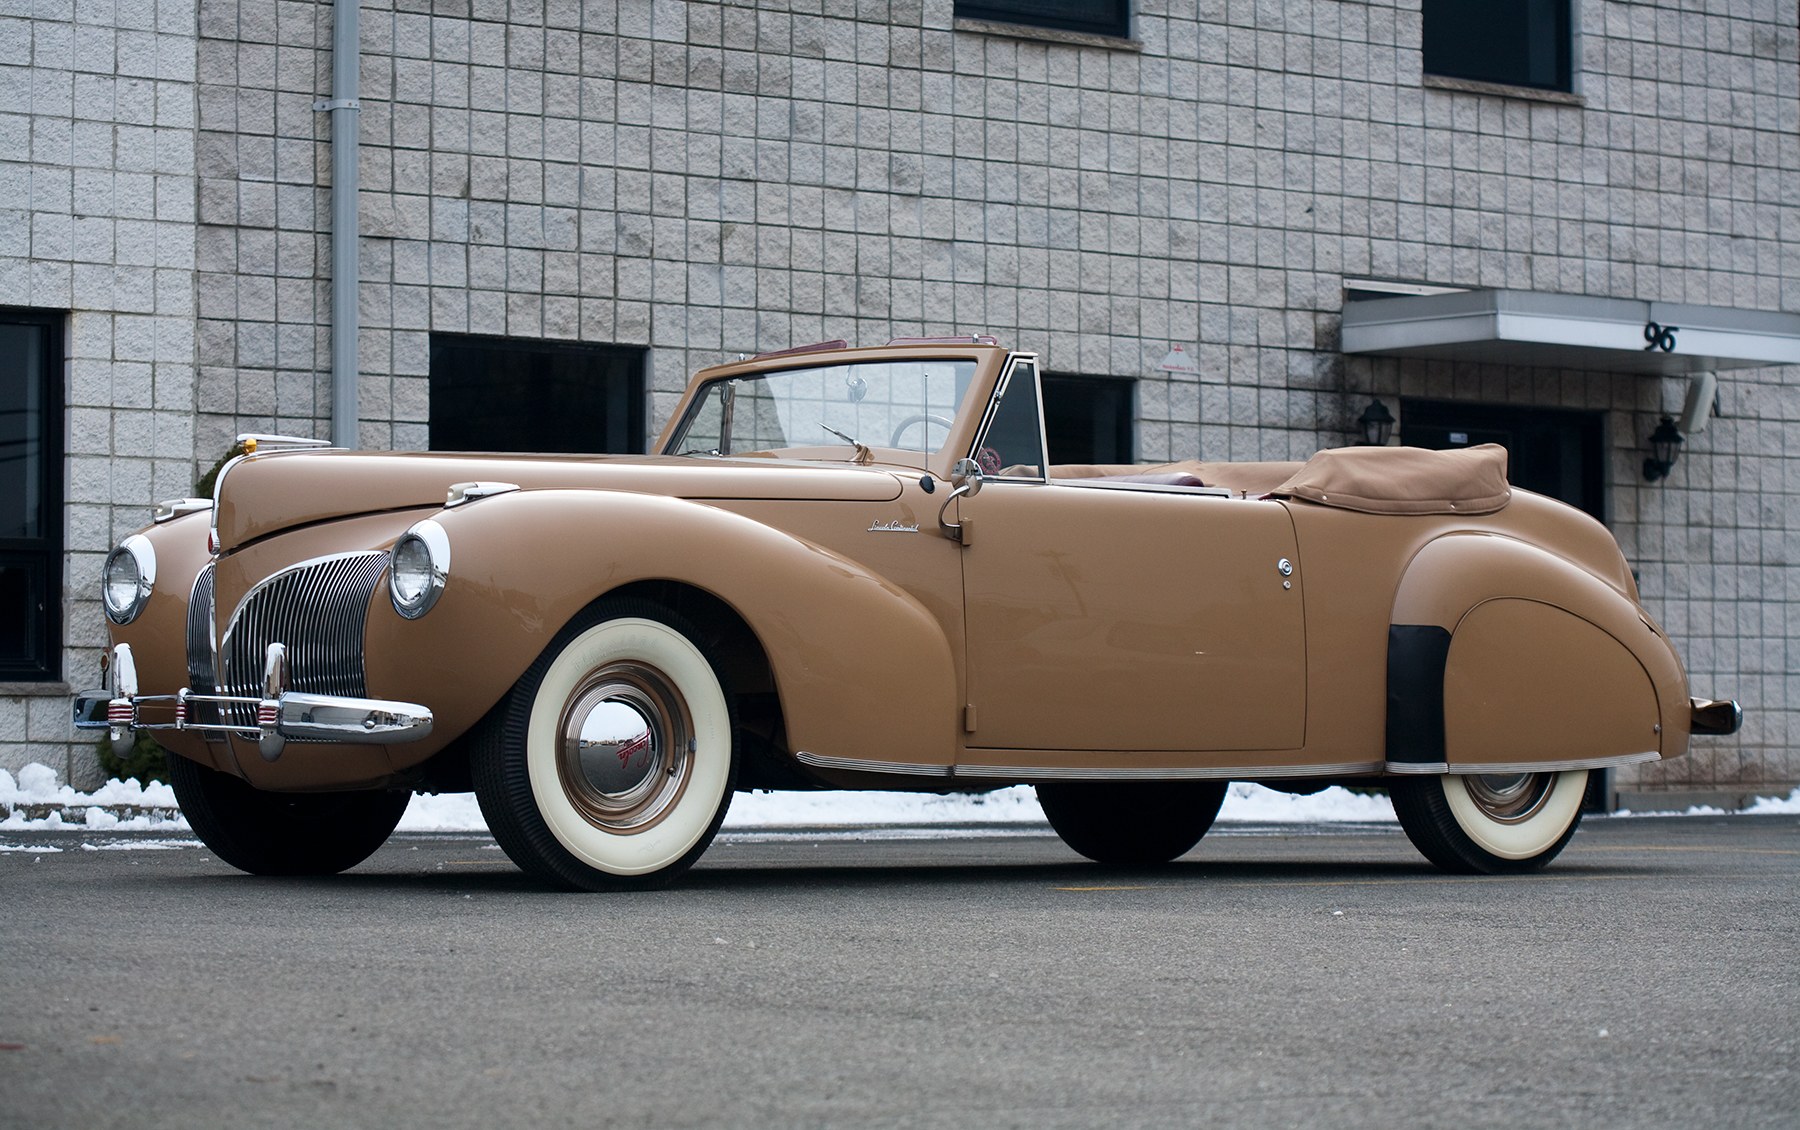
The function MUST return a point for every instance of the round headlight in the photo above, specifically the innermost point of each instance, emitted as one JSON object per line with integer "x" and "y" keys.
{"x": 127, "y": 578}
{"x": 418, "y": 566}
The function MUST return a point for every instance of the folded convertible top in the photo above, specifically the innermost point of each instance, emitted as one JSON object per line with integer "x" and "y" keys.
{"x": 1403, "y": 480}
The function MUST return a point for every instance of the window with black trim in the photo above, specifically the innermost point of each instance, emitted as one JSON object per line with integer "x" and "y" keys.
{"x": 1095, "y": 17}
{"x": 508, "y": 394}
{"x": 31, "y": 493}
{"x": 1513, "y": 42}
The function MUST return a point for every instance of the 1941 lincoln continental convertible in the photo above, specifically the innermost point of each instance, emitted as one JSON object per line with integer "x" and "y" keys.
{"x": 856, "y": 569}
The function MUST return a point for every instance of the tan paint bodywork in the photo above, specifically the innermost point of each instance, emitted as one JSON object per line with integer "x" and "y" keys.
{"x": 1513, "y": 659}
{"x": 525, "y": 564}
{"x": 1086, "y": 635}
{"x": 1080, "y": 631}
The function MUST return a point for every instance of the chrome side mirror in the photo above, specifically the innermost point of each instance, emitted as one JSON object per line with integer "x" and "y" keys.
{"x": 965, "y": 476}
{"x": 965, "y": 479}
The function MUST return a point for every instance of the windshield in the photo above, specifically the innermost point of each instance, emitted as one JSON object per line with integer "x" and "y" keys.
{"x": 899, "y": 405}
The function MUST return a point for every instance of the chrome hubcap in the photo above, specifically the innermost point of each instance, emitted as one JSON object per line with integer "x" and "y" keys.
{"x": 1510, "y": 798}
{"x": 625, "y": 747}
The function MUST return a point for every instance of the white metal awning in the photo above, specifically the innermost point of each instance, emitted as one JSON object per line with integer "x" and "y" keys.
{"x": 1564, "y": 331}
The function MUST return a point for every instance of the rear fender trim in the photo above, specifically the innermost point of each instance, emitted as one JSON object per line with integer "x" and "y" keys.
{"x": 1417, "y": 657}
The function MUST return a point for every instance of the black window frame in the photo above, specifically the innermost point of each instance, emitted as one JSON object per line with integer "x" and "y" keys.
{"x": 450, "y": 419}
{"x": 1500, "y": 42}
{"x": 36, "y": 655}
{"x": 1111, "y": 18}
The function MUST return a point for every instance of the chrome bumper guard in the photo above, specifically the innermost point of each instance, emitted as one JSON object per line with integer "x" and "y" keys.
{"x": 281, "y": 714}
{"x": 1709, "y": 717}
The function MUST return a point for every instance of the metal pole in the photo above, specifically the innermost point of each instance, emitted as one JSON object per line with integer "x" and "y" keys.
{"x": 345, "y": 108}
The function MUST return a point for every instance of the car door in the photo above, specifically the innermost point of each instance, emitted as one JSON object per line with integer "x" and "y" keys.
{"x": 1123, "y": 619}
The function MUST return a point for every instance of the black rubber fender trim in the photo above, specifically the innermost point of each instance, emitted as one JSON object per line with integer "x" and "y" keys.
{"x": 1417, "y": 655}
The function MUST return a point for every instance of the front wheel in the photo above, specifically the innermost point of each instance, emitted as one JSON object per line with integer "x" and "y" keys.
{"x": 1131, "y": 823}
{"x": 610, "y": 764}
{"x": 1490, "y": 823}
{"x": 268, "y": 833}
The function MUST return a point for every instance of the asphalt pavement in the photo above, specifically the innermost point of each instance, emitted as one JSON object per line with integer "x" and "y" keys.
{"x": 1275, "y": 977}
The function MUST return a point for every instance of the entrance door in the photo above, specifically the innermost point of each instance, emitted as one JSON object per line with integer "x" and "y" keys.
{"x": 1555, "y": 451}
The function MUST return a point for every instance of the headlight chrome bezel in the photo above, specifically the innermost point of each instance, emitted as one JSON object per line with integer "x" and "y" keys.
{"x": 426, "y": 578}
{"x": 137, "y": 553}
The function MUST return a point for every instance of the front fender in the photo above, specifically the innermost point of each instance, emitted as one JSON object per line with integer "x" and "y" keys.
{"x": 1503, "y": 653}
{"x": 861, "y": 668}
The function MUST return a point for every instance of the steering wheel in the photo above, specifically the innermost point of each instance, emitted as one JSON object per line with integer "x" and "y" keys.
{"x": 919, "y": 418}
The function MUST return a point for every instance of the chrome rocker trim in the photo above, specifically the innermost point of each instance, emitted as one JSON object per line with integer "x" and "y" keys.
{"x": 1061, "y": 773}
{"x": 1167, "y": 773}
{"x": 1428, "y": 768}
{"x": 857, "y": 765}
{"x": 281, "y": 714}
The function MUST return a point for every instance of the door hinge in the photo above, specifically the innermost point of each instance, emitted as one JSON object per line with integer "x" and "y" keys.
{"x": 969, "y": 718}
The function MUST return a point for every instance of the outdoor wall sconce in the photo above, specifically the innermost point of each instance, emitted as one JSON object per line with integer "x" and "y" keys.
{"x": 1665, "y": 448}
{"x": 1377, "y": 424}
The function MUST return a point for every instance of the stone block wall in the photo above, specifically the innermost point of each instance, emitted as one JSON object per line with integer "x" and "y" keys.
{"x": 97, "y": 220}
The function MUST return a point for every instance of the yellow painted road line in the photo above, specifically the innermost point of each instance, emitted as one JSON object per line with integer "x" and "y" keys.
{"x": 1078, "y": 889}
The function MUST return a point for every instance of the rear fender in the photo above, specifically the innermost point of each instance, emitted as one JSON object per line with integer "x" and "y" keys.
{"x": 861, "y": 668}
{"x": 1501, "y": 653}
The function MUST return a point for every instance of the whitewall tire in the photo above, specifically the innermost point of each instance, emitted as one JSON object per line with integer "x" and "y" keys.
{"x": 1490, "y": 823}
{"x": 611, "y": 764}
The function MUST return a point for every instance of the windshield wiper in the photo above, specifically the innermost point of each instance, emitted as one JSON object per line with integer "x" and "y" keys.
{"x": 863, "y": 454}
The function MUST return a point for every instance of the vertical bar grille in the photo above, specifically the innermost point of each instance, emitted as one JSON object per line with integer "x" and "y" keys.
{"x": 317, "y": 610}
{"x": 201, "y": 676}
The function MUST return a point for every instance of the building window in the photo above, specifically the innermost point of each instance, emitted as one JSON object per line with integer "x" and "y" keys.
{"x": 504, "y": 394}
{"x": 1088, "y": 419}
{"x": 1514, "y": 42}
{"x": 31, "y": 460}
{"x": 1095, "y": 17}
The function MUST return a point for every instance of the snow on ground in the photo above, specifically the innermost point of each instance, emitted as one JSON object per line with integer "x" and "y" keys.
{"x": 1018, "y": 805}
{"x": 35, "y": 801}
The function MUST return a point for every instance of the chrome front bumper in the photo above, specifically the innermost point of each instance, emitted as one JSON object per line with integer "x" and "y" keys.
{"x": 281, "y": 714}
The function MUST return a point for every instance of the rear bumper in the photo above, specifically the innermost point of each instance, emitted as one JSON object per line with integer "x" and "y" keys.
{"x": 280, "y": 715}
{"x": 1715, "y": 717}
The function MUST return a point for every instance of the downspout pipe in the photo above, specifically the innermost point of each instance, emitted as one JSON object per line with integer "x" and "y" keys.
{"x": 345, "y": 108}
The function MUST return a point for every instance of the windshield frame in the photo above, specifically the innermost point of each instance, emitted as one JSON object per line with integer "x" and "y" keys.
{"x": 970, "y": 412}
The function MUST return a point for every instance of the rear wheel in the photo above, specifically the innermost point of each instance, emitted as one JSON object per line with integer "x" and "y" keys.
{"x": 1491, "y": 823}
{"x": 268, "y": 833}
{"x": 1131, "y": 823}
{"x": 610, "y": 764}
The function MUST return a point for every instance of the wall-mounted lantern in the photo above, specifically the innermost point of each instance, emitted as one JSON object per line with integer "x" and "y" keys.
{"x": 1665, "y": 448}
{"x": 1377, "y": 424}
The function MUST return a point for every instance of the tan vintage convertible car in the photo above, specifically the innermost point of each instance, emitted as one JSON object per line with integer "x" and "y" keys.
{"x": 856, "y": 569}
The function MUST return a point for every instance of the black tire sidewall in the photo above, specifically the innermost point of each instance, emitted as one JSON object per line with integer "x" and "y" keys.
{"x": 266, "y": 833}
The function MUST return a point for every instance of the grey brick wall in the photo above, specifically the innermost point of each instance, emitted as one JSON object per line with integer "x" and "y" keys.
{"x": 97, "y": 219}
{"x": 709, "y": 178}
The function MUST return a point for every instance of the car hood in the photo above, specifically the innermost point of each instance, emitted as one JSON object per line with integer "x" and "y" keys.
{"x": 264, "y": 494}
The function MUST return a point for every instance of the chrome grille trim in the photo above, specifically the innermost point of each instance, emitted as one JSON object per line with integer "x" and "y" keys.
{"x": 202, "y": 656}
{"x": 317, "y": 609}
